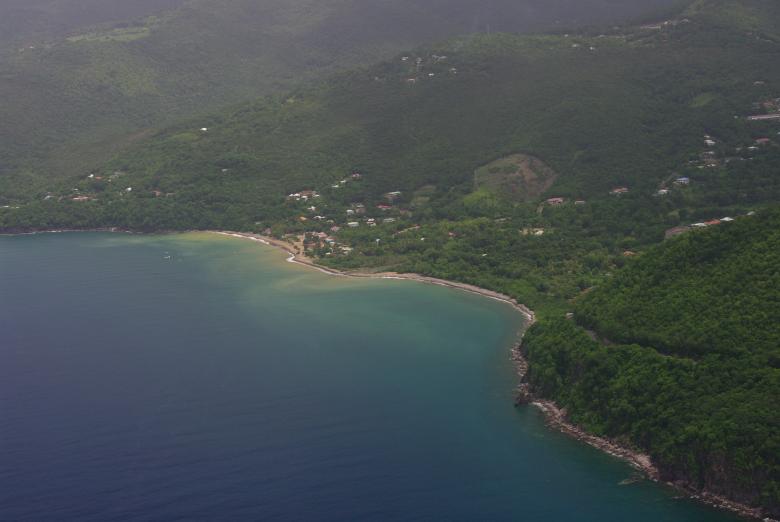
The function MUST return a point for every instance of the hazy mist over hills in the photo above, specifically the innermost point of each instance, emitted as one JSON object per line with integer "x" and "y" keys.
{"x": 29, "y": 19}
{"x": 88, "y": 77}
{"x": 612, "y": 165}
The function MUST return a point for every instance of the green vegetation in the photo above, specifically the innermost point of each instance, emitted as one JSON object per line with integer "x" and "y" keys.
{"x": 89, "y": 78}
{"x": 538, "y": 166}
{"x": 120, "y": 34}
{"x": 599, "y": 111}
{"x": 516, "y": 176}
{"x": 695, "y": 380}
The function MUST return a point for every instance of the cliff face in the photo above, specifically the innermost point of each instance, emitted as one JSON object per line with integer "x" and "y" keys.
{"x": 708, "y": 425}
{"x": 716, "y": 477}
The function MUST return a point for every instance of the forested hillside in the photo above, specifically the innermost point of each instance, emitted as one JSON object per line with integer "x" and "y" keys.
{"x": 27, "y": 22}
{"x": 547, "y": 167}
{"x": 695, "y": 378}
{"x": 82, "y": 92}
{"x": 633, "y": 108}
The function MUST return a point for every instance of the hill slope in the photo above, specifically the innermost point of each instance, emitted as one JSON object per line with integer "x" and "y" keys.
{"x": 81, "y": 97}
{"x": 695, "y": 380}
{"x": 440, "y": 161}
{"x": 627, "y": 108}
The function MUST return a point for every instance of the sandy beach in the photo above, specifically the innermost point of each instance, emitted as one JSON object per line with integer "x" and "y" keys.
{"x": 297, "y": 256}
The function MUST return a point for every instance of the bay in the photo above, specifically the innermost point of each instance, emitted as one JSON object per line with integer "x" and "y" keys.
{"x": 196, "y": 377}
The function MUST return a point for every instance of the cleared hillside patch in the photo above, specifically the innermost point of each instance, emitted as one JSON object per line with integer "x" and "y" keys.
{"x": 519, "y": 177}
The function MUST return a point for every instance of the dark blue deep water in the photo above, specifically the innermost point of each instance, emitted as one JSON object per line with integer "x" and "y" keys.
{"x": 195, "y": 377}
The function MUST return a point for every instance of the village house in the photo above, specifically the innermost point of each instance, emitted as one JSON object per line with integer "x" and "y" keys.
{"x": 81, "y": 198}
{"x": 763, "y": 141}
{"x": 727, "y": 219}
{"x": 388, "y": 220}
{"x": 356, "y": 175}
{"x": 580, "y": 202}
{"x": 392, "y": 196}
{"x": 710, "y": 142}
{"x": 764, "y": 117}
{"x": 712, "y": 222}
{"x": 682, "y": 181}
{"x": 335, "y": 229}
{"x": 619, "y": 190}
{"x": 384, "y": 208}
{"x": 353, "y": 224}
{"x": 662, "y": 192}
{"x": 554, "y": 202}
{"x": 350, "y": 212}
{"x": 771, "y": 105}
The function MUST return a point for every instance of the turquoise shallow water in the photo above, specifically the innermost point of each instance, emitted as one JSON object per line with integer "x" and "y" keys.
{"x": 193, "y": 377}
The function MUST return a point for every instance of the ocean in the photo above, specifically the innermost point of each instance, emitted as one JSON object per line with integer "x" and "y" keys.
{"x": 198, "y": 377}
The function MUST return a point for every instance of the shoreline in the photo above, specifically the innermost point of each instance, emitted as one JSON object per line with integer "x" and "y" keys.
{"x": 555, "y": 417}
{"x": 298, "y": 258}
